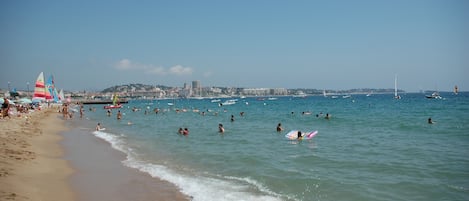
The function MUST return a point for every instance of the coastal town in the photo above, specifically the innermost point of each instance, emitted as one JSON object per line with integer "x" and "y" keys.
{"x": 192, "y": 90}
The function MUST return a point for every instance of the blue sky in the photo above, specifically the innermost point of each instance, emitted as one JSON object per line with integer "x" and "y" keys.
{"x": 91, "y": 45}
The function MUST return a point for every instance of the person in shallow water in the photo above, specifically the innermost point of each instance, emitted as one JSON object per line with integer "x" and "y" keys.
{"x": 430, "y": 121}
{"x": 279, "y": 127}
{"x": 220, "y": 128}
{"x": 299, "y": 135}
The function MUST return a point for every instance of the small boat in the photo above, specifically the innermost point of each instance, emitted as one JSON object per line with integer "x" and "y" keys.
{"x": 229, "y": 102}
{"x": 115, "y": 103}
{"x": 300, "y": 94}
{"x": 435, "y": 95}
{"x": 113, "y": 106}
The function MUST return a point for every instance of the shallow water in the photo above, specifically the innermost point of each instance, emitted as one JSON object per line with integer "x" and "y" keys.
{"x": 373, "y": 148}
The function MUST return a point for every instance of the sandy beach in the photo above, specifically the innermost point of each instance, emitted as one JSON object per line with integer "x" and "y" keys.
{"x": 32, "y": 167}
{"x": 43, "y": 158}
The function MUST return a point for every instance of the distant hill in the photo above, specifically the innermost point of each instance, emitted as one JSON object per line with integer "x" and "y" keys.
{"x": 133, "y": 87}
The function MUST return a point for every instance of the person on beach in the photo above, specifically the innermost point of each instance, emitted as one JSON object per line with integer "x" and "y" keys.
{"x": 82, "y": 111}
{"x": 220, "y": 128}
{"x": 5, "y": 108}
{"x": 65, "y": 111}
{"x": 279, "y": 127}
{"x": 185, "y": 131}
{"x": 119, "y": 115}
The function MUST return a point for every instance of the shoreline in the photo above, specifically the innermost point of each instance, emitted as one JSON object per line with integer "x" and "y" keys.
{"x": 100, "y": 165}
{"x": 44, "y": 157}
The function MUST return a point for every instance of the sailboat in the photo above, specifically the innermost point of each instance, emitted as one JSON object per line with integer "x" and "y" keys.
{"x": 61, "y": 95}
{"x": 39, "y": 89}
{"x": 395, "y": 89}
{"x": 51, "y": 92}
{"x": 115, "y": 103}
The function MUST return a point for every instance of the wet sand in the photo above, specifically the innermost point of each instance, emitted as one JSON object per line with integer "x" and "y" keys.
{"x": 101, "y": 176}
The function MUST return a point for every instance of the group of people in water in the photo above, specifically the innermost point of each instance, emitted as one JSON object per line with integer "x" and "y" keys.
{"x": 221, "y": 129}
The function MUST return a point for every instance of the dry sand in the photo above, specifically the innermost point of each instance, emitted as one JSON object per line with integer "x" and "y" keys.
{"x": 31, "y": 164}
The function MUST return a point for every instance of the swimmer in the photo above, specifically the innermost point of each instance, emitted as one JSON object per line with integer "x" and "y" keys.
{"x": 299, "y": 135}
{"x": 220, "y": 128}
{"x": 185, "y": 131}
{"x": 430, "y": 121}
{"x": 98, "y": 127}
{"x": 279, "y": 127}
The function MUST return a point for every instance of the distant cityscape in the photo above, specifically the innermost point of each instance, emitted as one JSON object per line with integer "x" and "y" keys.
{"x": 196, "y": 90}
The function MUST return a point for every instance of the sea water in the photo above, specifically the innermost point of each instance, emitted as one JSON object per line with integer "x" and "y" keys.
{"x": 372, "y": 148}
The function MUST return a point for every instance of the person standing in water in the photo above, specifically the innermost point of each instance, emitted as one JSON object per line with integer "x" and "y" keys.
{"x": 299, "y": 135}
{"x": 430, "y": 121}
{"x": 119, "y": 115}
{"x": 220, "y": 128}
{"x": 279, "y": 127}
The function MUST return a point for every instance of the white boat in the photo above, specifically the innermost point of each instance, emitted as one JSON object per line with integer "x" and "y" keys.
{"x": 229, "y": 102}
{"x": 435, "y": 95}
{"x": 300, "y": 94}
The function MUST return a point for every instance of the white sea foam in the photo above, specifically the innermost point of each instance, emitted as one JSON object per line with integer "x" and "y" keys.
{"x": 199, "y": 186}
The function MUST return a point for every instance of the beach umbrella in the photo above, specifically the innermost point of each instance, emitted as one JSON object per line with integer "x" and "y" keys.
{"x": 25, "y": 101}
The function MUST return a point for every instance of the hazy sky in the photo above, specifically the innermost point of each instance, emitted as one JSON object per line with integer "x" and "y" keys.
{"x": 92, "y": 45}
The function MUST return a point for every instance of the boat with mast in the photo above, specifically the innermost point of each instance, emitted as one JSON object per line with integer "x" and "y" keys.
{"x": 39, "y": 94}
{"x": 395, "y": 88}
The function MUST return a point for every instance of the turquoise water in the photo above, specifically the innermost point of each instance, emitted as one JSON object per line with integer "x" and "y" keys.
{"x": 373, "y": 148}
